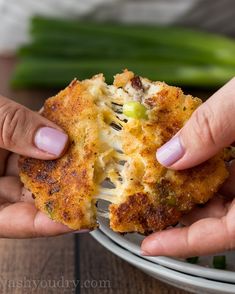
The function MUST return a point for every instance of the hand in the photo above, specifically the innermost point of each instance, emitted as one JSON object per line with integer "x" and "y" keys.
{"x": 26, "y": 133}
{"x": 210, "y": 229}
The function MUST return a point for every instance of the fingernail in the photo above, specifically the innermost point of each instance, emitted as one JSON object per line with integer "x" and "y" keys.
{"x": 51, "y": 140}
{"x": 144, "y": 253}
{"x": 170, "y": 152}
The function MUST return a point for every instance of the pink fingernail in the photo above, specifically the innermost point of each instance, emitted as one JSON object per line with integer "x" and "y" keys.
{"x": 170, "y": 152}
{"x": 144, "y": 253}
{"x": 51, "y": 140}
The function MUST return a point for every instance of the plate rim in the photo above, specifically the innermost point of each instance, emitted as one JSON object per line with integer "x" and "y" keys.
{"x": 165, "y": 274}
{"x": 181, "y": 266}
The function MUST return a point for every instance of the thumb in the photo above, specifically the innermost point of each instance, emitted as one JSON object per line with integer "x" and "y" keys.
{"x": 27, "y": 133}
{"x": 210, "y": 128}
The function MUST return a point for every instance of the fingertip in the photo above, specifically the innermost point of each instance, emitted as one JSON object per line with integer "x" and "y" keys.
{"x": 52, "y": 141}
{"x": 151, "y": 245}
{"x": 170, "y": 152}
{"x": 44, "y": 226}
{"x": 144, "y": 253}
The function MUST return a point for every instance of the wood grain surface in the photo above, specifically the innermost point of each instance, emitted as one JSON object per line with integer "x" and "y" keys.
{"x": 119, "y": 277}
{"x": 70, "y": 263}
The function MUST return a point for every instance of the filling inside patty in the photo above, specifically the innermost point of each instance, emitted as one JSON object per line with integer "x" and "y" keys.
{"x": 123, "y": 108}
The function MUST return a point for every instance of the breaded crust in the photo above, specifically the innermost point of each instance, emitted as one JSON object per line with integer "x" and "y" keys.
{"x": 63, "y": 188}
{"x": 156, "y": 197}
{"x": 174, "y": 194}
{"x": 105, "y": 144}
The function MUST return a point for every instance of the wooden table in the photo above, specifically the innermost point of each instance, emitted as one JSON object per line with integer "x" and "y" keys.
{"x": 55, "y": 265}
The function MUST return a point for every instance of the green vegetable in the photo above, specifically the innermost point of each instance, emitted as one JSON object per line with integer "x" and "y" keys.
{"x": 193, "y": 259}
{"x": 134, "y": 109}
{"x": 171, "y": 200}
{"x": 71, "y": 49}
{"x": 50, "y": 72}
{"x": 49, "y": 206}
{"x": 219, "y": 262}
{"x": 63, "y": 49}
{"x": 215, "y": 46}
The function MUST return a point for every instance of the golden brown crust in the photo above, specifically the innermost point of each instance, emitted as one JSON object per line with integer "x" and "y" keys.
{"x": 104, "y": 143}
{"x": 158, "y": 197}
{"x": 63, "y": 188}
{"x": 122, "y": 79}
{"x": 140, "y": 213}
{"x": 175, "y": 194}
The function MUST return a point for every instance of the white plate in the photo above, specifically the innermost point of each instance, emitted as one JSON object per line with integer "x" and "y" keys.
{"x": 177, "y": 279}
{"x": 132, "y": 243}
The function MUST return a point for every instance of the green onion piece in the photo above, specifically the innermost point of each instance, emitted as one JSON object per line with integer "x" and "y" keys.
{"x": 171, "y": 200}
{"x": 193, "y": 259}
{"x": 219, "y": 261}
{"x": 134, "y": 109}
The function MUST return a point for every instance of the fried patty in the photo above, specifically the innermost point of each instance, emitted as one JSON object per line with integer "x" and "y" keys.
{"x": 64, "y": 188}
{"x": 113, "y": 157}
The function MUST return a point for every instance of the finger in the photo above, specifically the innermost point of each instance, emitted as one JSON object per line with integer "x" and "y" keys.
{"x": 12, "y": 168}
{"x": 10, "y": 189}
{"x": 228, "y": 188}
{"x": 3, "y": 158}
{"x": 215, "y": 208}
{"x": 27, "y": 133}
{"x": 210, "y": 128}
{"x": 206, "y": 236}
{"x": 23, "y": 220}
{"x": 12, "y": 171}
{"x": 26, "y": 196}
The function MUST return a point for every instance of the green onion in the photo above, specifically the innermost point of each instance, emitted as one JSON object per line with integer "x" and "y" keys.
{"x": 63, "y": 49}
{"x": 171, "y": 200}
{"x": 193, "y": 259}
{"x": 134, "y": 109}
{"x": 49, "y": 206}
{"x": 218, "y": 47}
{"x": 81, "y": 50}
{"x": 49, "y": 72}
{"x": 219, "y": 262}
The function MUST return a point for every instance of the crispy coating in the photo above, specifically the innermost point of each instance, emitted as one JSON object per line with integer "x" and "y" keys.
{"x": 63, "y": 188}
{"x": 174, "y": 194}
{"x": 105, "y": 144}
{"x": 163, "y": 195}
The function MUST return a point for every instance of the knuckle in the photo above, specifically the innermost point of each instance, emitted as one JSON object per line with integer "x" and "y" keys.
{"x": 204, "y": 126}
{"x": 12, "y": 120}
